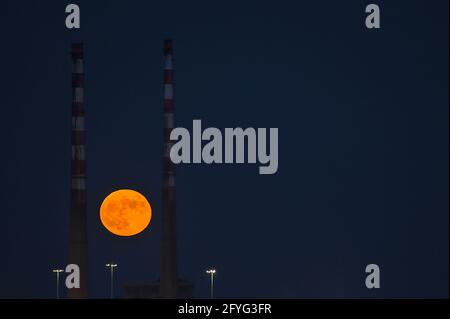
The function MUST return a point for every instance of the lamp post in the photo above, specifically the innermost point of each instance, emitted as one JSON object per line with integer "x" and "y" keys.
{"x": 57, "y": 272}
{"x": 111, "y": 267}
{"x": 211, "y": 272}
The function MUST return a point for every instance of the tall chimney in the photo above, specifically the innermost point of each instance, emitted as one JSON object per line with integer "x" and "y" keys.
{"x": 168, "y": 281}
{"x": 77, "y": 233}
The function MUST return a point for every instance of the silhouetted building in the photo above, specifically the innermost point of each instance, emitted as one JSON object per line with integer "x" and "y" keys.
{"x": 185, "y": 290}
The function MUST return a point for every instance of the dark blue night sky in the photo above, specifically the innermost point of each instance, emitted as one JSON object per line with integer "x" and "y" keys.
{"x": 363, "y": 144}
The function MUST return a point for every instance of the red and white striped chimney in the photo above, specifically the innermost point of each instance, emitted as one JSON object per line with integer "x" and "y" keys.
{"x": 168, "y": 281}
{"x": 78, "y": 230}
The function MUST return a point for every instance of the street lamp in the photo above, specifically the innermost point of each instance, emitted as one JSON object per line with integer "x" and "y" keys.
{"x": 111, "y": 267}
{"x": 57, "y": 272}
{"x": 211, "y": 272}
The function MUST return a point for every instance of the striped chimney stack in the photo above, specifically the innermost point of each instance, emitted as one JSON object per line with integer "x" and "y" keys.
{"x": 168, "y": 281}
{"x": 78, "y": 234}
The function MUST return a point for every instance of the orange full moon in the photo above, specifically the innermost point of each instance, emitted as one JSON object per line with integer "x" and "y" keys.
{"x": 125, "y": 212}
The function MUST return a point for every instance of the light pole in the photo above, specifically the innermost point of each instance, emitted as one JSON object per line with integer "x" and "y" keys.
{"x": 111, "y": 267}
{"x": 211, "y": 272}
{"x": 57, "y": 272}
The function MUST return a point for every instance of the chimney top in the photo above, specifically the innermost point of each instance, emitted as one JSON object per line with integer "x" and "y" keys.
{"x": 77, "y": 50}
{"x": 168, "y": 46}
